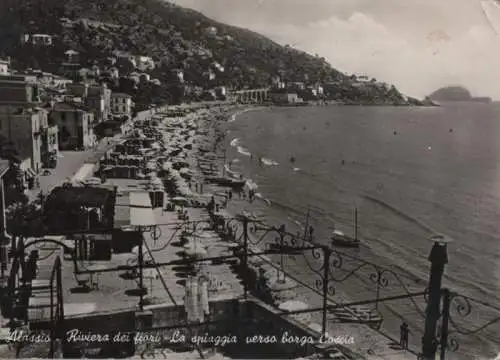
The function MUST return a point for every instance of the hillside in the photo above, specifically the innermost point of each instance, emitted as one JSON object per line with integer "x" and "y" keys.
{"x": 456, "y": 93}
{"x": 175, "y": 37}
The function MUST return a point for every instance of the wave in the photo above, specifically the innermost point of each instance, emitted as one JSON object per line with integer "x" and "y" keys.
{"x": 234, "y": 142}
{"x": 269, "y": 162}
{"x": 243, "y": 151}
{"x": 228, "y": 170}
{"x": 251, "y": 185}
{"x": 261, "y": 197}
{"x": 289, "y": 209}
{"x": 233, "y": 117}
{"x": 399, "y": 213}
{"x": 296, "y": 169}
{"x": 237, "y": 113}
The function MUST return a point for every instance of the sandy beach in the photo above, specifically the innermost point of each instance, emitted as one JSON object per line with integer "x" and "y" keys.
{"x": 367, "y": 341}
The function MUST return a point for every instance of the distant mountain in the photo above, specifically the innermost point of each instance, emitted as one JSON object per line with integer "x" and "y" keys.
{"x": 456, "y": 93}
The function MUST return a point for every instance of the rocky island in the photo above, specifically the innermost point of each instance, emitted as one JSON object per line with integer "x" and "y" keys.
{"x": 456, "y": 93}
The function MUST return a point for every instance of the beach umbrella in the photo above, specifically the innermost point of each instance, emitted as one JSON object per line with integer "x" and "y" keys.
{"x": 293, "y": 305}
{"x": 195, "y": 251}
{"x": 156, "y": 182}
{"x": 179, "y": 200}
{"x": 93, "y": 181}
{"x": 315, "y": 327}
{"x": 204, "y": 235}
{"x": 150, "y": 274}
{"x": 231, "y": 245}
{"x": 285, "y": 284}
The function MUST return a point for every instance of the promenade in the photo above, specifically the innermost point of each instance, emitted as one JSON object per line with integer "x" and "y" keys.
{"x": 165, "y": 285}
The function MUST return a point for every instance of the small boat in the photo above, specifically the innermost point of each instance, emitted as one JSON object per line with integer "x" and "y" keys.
{"x": 226, "y": 181}
{"x": 339, "y": 239}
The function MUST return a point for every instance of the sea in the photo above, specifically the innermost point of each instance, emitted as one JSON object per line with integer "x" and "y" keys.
{"x": 411, "y": 172}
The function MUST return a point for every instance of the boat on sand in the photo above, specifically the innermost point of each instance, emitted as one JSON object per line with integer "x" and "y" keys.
{"x": 339, "y": 239}
{"x": 226, "y": 181}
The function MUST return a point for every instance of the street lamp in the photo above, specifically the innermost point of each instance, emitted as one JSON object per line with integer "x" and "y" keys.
{"x": 438, "y": 259}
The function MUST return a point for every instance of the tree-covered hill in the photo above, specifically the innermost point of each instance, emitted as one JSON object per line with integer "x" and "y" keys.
{"x": 175, "y": 37}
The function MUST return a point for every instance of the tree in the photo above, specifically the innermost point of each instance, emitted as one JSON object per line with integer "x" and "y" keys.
{"x": 8, "y": 150}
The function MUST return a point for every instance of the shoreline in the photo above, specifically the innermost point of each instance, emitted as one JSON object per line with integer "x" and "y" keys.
{"x": 281, "y": 215}
{"x": 311, "y": 296}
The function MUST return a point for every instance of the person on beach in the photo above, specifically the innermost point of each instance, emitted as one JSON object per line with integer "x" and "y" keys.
{"x": 211, "y": 205}
{"x": 404, "y": 331}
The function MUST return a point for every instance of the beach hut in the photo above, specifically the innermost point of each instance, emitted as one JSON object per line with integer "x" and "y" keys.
{"x": 156, "y": 192}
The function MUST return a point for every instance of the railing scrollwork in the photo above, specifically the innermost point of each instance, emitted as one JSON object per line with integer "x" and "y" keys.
{"x": 462, "y": 308}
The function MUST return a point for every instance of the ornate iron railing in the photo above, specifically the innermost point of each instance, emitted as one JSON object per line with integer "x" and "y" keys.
{"x": 323, "y": 270}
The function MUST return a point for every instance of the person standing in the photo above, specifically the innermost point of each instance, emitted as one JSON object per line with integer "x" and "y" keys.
{"x": 404, "y": 331}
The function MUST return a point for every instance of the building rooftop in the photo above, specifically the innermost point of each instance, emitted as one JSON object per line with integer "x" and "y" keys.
{"x": 115, "y": 94}
{"x": 66, "y": 106}
{"x": 78, "y": 196}
{"x": 282, "y": 91}
{"x": 79, "y": 208}
{"x": 17, "y": 78}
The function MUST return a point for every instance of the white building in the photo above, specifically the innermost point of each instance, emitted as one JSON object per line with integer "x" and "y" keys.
{"x": 121, "y": 104}
{"x": 71, "y": 56}
{"x": 211, "y": 31}
{"x": 36, "y": 39}
{"x": 218, "y": 67}
{"x": 209, "y": 75}
{"x": 144, "y": 63}
{"x": 4, "y": 67}
{"x": 179, "y": 75}
{"x": 362, "y": 79}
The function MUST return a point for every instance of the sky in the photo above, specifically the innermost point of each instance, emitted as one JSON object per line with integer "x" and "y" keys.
{"x": 417, "y": 45}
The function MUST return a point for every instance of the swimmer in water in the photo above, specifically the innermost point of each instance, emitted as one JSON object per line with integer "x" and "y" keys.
{"x": 292, "y": 159}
